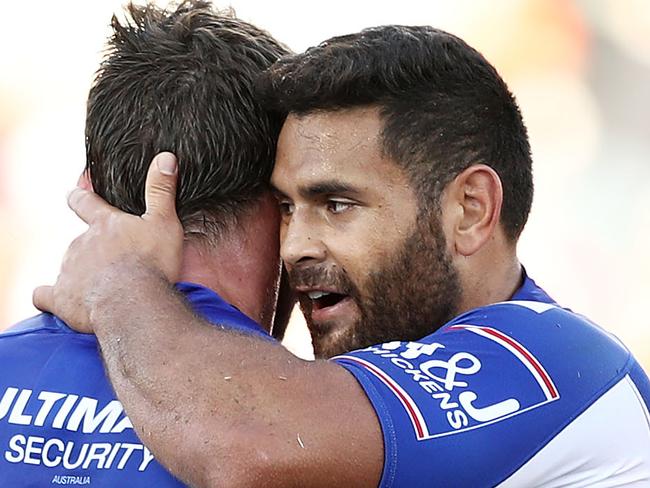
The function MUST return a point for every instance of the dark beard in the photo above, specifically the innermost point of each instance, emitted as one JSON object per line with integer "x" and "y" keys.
{"x": 412, "y": 295}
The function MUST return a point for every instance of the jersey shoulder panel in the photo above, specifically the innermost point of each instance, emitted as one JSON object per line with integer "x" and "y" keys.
{"x": 478, "y": 398}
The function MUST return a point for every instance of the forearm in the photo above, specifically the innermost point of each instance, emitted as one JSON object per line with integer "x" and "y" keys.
{"x": 140, "y": 325}
{"x": 208, "y": 402}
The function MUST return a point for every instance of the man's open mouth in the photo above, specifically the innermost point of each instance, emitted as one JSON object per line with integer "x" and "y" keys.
{"x": 324, "y": 299}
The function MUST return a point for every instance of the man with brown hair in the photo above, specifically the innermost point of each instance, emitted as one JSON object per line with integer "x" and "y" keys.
{"x": 182, "y": 81}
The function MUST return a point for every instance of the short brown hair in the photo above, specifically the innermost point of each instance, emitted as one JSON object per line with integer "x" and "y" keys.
{"x": 183, "y": 81}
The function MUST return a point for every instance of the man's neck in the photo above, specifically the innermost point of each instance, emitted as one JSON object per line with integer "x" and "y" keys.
{"x": 500, "y": 278}
{"x": 238, "y": 279}
{"x": 243, "y": 267}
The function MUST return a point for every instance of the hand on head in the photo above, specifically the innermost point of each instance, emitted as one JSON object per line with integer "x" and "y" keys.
{"x": 114, "y": 241}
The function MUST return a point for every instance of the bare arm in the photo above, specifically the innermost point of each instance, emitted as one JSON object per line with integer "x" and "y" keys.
{"x": 216, "y": 407}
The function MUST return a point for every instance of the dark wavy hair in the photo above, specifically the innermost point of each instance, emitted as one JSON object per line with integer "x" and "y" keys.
{"x": 183, "y": 81}
{"x": 444, "y": 107}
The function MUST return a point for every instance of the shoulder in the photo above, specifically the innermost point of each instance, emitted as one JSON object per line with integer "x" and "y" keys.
{"x": 43, "y": 323}
{"x": 565, "y": 341}
{"x": 541, "y": 350}
{"x": 496, "y": 383}
{"x": 44, "y": 340}
{"x": 59, "y": 417}
{"x": 44, "y": 331}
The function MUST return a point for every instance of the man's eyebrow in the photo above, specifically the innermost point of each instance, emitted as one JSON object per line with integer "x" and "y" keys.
{"x": 327, "y": 187}
{"x": 320, "y": 188}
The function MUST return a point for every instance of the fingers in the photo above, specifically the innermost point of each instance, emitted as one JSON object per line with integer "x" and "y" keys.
{"x": 43, "y": 298}
{"x": 160, "y": 188}
{"x": 87, "y": 205}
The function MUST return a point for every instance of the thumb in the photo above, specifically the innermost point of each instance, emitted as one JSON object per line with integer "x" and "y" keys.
{"x": 160, "y": 187}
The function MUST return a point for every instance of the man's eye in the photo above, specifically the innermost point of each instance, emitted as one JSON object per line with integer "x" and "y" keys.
{"x": 335, "y": 206}
{"x": 286, "y": 208}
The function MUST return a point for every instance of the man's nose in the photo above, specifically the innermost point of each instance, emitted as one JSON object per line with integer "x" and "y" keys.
{"x": 300, "y": 241}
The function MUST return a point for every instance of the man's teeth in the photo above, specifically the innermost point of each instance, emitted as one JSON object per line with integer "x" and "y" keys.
{"x": 315, "y": 295}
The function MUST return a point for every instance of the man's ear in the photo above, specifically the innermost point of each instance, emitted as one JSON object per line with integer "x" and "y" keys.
{"x": 477, "y": 196}
{"x": 84, "y": 181}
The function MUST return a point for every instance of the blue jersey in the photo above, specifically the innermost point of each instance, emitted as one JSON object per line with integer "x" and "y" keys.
{"x": 60, "y": 422}
{"x": 516, "y": 394}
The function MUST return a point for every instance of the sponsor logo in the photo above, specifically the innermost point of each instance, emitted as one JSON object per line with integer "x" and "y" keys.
{"x": 62, "y": 411}
{"x": 85, "y": 417}
{"x": 460, "y": 384}
{"x": 56, "y": 453}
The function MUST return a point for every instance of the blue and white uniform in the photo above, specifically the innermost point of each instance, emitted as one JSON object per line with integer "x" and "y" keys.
{"x": 60, "y": 422}
{"x": 522, "y": 393}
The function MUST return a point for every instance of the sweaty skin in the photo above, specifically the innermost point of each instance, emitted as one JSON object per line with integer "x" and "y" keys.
{"x": 254, "y": 414}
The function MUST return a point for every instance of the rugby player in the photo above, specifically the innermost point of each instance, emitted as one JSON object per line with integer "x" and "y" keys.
{"x": 403, "y": 175}
{"x": 179, "y": 80}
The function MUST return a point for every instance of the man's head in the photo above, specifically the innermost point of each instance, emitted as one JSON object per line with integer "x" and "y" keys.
{"x": 184, "y": 81}
{"x": 404, "y": 158}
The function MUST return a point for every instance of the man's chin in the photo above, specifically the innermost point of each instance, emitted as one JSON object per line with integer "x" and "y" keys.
{"x": 331, "y": 339}
{"x": 333, "y": 331}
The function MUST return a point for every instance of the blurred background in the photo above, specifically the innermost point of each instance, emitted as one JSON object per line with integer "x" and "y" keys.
{"x": 579, "y": 69}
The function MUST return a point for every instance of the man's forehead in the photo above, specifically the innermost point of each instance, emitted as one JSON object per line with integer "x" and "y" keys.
{"x": 323, "y": 174}
{"x": 342, "y": 142}
{"x": 331, "y": 129}
{"x": 310, "y": 173}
